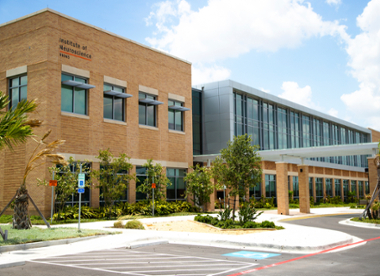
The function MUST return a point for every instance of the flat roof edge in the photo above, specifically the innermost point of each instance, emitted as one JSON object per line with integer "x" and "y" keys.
{"x": 92, "y": 26}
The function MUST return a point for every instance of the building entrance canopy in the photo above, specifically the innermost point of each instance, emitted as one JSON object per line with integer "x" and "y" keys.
{"x": 299, "y": 154}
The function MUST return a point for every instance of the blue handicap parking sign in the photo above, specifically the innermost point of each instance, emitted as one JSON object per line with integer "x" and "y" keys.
{"x": 251, "y": 255}
{"x": 81, "y": 190}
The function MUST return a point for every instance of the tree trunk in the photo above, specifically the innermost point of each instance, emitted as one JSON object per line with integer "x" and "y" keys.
{"x": 233, "y": 214}
{"x": 21, "y": 215}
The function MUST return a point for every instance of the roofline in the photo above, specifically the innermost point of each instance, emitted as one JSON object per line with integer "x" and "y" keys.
{"x": 92, "y": 26}
{"x": 273, "y": 98}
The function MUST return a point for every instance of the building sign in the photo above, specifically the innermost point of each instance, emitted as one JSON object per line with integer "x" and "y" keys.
{"x": 68, "y": 48}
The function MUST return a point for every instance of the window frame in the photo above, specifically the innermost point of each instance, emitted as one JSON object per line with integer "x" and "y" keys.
{"x": 74, "y": 77}
{"x": 174, "y": 114}
{"x": 154, "y": 97}
{"x": 123, "y": 111}
{"x": 19, "y": 86}
{"x": 175, "y": 184}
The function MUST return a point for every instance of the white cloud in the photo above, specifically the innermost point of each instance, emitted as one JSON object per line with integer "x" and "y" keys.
{"x": 226, "y": 29}
{"x": 300, "y": 95}
{"x": 364, "y": 54}
{"x": 333, "y": 112}
{"x": 334, "y": 2}
{"x": 203, "y": 74}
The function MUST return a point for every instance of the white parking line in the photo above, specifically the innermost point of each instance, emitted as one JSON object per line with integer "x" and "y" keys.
{"x": 129, "y": 263}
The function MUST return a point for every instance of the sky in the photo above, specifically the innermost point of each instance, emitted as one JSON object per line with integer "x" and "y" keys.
{"x": 323, "y": 54}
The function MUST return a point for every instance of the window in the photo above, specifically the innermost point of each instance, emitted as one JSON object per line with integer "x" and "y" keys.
{"x": 361, "y": 191}
{"x": 353, "y": 187}
{"x": 328, "y": 183}
{"x": 74, "y": 198}
{"x": 295, "y": 187}
{"x": 176, "y": 188}
{"x": 337, "y": 187}
{"x": 319, "y": 188}
{"x": 311, "y": 187}
{"x": 345, "y": 189}
{"x": 176, "y": 110}
{"x": 147, "y": 109}
{"x": 270, "y": 186}
{"x": 255, "y": 191}
{"x": 367, "y": 187}
{"x": 74, "y": 94}
{"x": 114, "y": 103}
{"x": 17, "y": 90}
{"x": 123, "y": 198}
{"x": 141, "y": 176}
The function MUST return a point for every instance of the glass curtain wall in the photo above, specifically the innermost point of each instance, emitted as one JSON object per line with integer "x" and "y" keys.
{"x": 311, "y": 187}
{"x": 295, "y": 187}
{"x": 319, "y": 188}
{"x": 361, "y": 190}
{"x": 328, "y": 183}
{"x": 279, "y": 127}
{"x": 353, "y": 187}
{"x": 337, "y": 187}
{"x": 345, "y": 189}
{"x": 270, "y": 186}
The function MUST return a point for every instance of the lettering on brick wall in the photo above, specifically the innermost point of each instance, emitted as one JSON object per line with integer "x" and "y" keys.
{"x": 69, "y": 48}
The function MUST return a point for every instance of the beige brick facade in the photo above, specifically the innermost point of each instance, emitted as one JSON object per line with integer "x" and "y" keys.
{"x": 35, "y": 43}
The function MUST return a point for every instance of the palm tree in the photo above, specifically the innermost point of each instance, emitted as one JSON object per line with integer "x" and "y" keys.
{"x": 15, "y": 127}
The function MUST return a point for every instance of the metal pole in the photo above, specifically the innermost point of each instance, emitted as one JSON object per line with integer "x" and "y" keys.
{"x": 80, "y": 199}
{"x": 153, "y": 195}
{"x": 52, "y": 202}
{"x": 224, "y": 194}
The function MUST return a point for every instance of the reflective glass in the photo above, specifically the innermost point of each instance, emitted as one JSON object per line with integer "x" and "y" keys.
{"x": 151, "y": 115}
{"x": 142, "y": 108}
{"x": 66, "y": 98}
{"x": 118, "y": 105}
{"x": 107, "y": 107}
{"x": 80, "y": 101}
{"x": 178, "y": 120}
{"x": 23, "y": 92}
{"x": 171, "y": 119}
{"x": 24, "y": 80}
{"x": 107, "y": 87}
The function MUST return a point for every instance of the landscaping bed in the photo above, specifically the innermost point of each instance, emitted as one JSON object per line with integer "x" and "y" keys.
{"x": 37, "y": 234}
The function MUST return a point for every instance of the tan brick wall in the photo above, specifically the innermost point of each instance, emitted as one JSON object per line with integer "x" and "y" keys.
{"x": 375, "y": 135}
{"x": 282, "y": 188}
{"x": 304, "y": 191}
{"x": 35, "y": 42}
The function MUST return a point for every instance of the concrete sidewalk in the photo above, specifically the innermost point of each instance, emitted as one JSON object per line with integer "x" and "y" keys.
{"x": 294, "y": 238}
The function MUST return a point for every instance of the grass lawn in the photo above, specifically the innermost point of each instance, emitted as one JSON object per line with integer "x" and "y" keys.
{"x": 326, "y": 205}
{"x": 37, "y": 234}
{"x": 367, "y": 220}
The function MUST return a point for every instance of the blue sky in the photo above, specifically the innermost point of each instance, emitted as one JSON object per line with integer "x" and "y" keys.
{"x": 324, "y": 54}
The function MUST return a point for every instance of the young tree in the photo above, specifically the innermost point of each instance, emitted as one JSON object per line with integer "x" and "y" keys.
{"x": 199, "y": 186}
{"x": 154, "y": 175}
{"x": 238, "y": 167}
{"x": 113, "y": 177}
{"x": 67, "y": 181}
{"x": 38, "y": 158}
{"x": 15, "y": 126}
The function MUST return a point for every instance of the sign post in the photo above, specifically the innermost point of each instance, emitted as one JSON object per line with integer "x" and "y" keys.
{"x": 52, "y": 183}
{"x": 153, "y": 187}
{"x": 81, "y": 182}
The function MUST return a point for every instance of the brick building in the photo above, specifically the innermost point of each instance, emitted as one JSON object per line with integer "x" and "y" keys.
{"x": 96, "y": 90}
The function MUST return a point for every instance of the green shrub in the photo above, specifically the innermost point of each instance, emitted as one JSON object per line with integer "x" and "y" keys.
{"x": 247, "y": 213}
{"x": 311, "y": 201}
{"x": 225, "y": 214}
{"x": 214, "y": 221}
{"x": 268, "y": 224}
{"x": 118, "y": 224}
{"x": 134, "y": 224}
{"x": 251, "y": 224}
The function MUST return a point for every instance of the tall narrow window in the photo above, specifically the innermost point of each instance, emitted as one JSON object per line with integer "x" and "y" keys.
{"x": 270, "y": 185}
{"x": 176, "y": 117}
{"x": 114, "y": 103}
{"x": 74, "y": 94}
{"x": 337, "y": 187}
{"x": 147, "y": 109}
{"x": 176, "y": 188}
{"x": 328, "y": 182}
{"x": 295, "y": 187}
{"x": 17, "y": 90}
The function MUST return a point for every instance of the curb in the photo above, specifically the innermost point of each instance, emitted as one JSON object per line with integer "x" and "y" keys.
{"x": 8, "y": 265}
{"x": 359, "y": 224}
{"x": 7, "y": 248}
{"x": 138, "y": 244}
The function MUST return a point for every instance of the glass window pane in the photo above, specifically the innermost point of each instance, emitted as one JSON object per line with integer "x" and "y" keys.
{"x": 140, "y": 170}
{"x": 107, "y": 107}
{"x": 170, "y": 103}
{"x": 118, "y": 89}
{"x": 180, "y": 188}
{"x": 181, "y": 172}
{"x": 170, "y": 172}
{"x": 151, "y": 119}
{"x": 80, "y": 101}
{"x": 171, "y": 119}
{"x": 66, "y": 98}
{"x": 14, "y": 82}
{"x": 66, "y": 77}
{"x": 24, "y": 80}
{"x": 107, "y": 87}
{"x": 178, "y": 120}
{"x": 118, "y": 105}
{"x": 15, "y": 98}
{"x": 141, "y": 95}
{"x": 170, "y": 189}
{"x": 142, "y": 114}
{"x": 23, "y": 93}
{"x": 80, "y": 80}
